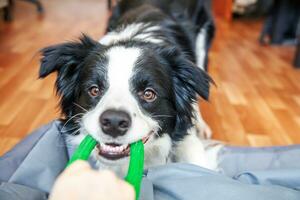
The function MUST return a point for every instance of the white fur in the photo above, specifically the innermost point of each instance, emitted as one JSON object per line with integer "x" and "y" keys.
{"x": 157, "y": 151}
{"x": 200, "y": 48}
{"x": 202, "y": 129}
{"x": 193, "y": 150}
{"x": 129, "y": 32}
{"x": 197, "y": 147}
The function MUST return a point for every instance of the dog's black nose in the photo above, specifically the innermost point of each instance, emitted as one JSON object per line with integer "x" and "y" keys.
{"x": 114, "y": 122}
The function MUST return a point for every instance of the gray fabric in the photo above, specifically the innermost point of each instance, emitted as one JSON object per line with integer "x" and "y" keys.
{"x": 236, "y": 160}
{"x": 37, "y": 161}
{"x": 265, "y": 166}
{"x": 41, "y": 165}
{"x": 12, "y": 159}
{"x": 10, "y": 191}
{"x": 147, "y": 190}
{"x": 189, "y": 182}
{"x": 283, "y": 177}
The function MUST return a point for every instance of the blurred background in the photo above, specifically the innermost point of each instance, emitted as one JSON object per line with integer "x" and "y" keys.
{"x": 253, "y": 60}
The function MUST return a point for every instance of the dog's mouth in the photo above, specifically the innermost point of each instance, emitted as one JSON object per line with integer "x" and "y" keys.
{"x": 114, "y": 151}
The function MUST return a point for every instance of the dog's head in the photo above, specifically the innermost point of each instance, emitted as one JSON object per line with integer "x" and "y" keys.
{"x": 126, "y": 91}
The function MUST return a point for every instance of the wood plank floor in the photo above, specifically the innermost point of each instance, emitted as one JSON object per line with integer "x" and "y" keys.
{"x": 256, "y": 101}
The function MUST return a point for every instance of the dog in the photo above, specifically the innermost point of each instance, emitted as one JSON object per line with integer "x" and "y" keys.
{"x": 141, "y": 81}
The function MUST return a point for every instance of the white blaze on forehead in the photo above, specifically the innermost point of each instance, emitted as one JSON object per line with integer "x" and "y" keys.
{"x": 120, "y": 69}
{"x": 121, "y": 62}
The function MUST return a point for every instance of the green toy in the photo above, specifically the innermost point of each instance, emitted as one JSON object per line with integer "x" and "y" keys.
{"x": 136, "y": 163}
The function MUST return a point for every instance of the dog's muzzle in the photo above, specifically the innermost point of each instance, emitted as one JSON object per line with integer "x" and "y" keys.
{"x": 115, "y": 123}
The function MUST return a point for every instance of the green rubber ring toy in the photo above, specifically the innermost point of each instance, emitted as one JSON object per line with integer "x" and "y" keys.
{"x": 136, "y": 163}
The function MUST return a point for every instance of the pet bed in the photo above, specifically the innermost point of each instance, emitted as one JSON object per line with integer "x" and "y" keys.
{"x": 29, "y": 170}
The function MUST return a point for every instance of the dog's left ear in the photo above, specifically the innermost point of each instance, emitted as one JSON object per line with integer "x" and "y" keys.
{"x": 189, "y": 82}
{"x": 188, "y": 79}
{"x": 194, "y": 80}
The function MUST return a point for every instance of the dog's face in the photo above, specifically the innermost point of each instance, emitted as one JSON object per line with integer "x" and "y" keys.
{"x": 125, "y": 92}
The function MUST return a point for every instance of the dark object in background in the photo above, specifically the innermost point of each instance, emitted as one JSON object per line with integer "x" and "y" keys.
{"x": 8, "y": 8}
{"x": 252, "y": 8}
{"x": 281, "y": 23}
{"x": 7, "y": 13}
{"x": 109, "y": 4}
{"x": 38, "y": 5}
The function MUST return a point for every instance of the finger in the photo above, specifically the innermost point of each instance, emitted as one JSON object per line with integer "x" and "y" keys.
{"x": 108, "y": 174}
{"x": 77, "y": 166}
{"x": 128, "y": 191}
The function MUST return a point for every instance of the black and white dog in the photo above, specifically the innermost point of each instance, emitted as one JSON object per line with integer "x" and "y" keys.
{"x": 141, "y": 81}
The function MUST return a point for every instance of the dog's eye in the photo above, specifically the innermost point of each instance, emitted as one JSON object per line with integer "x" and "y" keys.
{"x": 94, "y": 91}
{"x": 149, "y": 95}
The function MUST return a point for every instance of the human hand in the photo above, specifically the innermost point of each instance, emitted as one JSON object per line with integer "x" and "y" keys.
{"x": 80, "y": 182}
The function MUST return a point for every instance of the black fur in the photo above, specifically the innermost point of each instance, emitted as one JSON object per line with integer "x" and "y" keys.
{"x": 169, "y": 67}
{"x": 68, "y": 60}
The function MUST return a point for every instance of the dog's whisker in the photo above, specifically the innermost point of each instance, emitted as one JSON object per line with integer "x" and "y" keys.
{"x": 68, "y": 138}
{"x": 67, "y": 130}
{"x": 76, "y": 131}
{"x": 76, "y": 125}
{"x": 79, "y": 106}
{"x": 163, "y": 116}
{"x": 74, "y": 116}
{"x": 156, "y": 133}
{"x": 64, "y": 129}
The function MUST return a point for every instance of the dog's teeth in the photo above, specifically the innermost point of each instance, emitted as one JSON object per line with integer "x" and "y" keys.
{"x": 119, "y": 149}
{"x": 113, "y": 149}
{"x": 104, "y": 148}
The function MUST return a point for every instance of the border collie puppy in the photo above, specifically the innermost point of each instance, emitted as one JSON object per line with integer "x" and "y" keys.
{"x": 141, "y": 81}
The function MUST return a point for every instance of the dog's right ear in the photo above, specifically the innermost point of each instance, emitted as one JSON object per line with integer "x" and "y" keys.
{"x": 64, "y": 57}
{"x": 67, "y": 59}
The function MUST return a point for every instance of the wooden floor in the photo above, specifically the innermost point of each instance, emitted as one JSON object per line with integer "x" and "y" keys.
{"x": 256, "y": 101}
